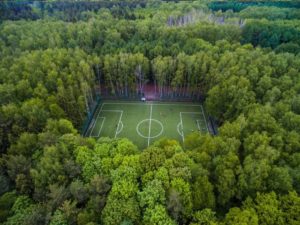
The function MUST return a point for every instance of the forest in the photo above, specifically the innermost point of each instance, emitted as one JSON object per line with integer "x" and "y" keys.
{"x": 241, "y": 60}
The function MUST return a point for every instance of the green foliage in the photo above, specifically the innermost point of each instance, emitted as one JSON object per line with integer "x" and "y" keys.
{"x": 243, "y": 63}
{"x": 267, "y": 208}
{"x": 270, "y": 33}
{"x": 270, "y": 13}
{"x": 26, "y": 145}
{"x": 231, "y": 98}
{"x": 205, "y": 216}
{"x": 179, "y": 200}
{"x": 238, "y": 216}
{"x": 79, "y": 191}
{"x": 117, "y": 211}
{"x": 152, "y": 158}
{"x": 6, "y": 202}
{"x": 290, "y": 205}
{"x": 58, "y": 218}
{"x": 23, "y": 210}
{"x": 202, "y": 194}
{"x": 152, "y": 194}
{"x": 157, "y": 216}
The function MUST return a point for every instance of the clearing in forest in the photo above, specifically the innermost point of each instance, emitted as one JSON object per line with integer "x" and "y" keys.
{"x": 146, "y": 122}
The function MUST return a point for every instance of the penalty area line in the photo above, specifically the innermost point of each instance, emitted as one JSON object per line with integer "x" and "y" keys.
{"x": 198, "y": 125}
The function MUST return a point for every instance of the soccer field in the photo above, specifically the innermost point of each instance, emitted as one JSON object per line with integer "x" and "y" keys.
{"x": 145, "y": 123}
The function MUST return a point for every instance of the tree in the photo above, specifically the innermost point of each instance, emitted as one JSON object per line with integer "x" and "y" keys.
{"x": 24, "y": 212}
{"x": 6, "y": 203}
{"x": 17, "y": 165}
{"x": 179, "y": 201}
{"x": 35, "y": 114}
{"x": 230, "y": 98}
{"x": 296, "y": 104}
{"x": 56, "y": 165}
{"x": 280, "y": 180}
{"x": 152, "y": 194}
{"x": 79, "y": 191}
{"x": 117, "y": 211}
{"x": 202, "y": 194}
{"x": 152, "y": 158}
{"x": 267, "y": 208}
{"x": 241, "y": 217}
{"x": 26, "y": 145}
{"x": 99, "y": 188}
{"x": 204, "y": 217}
{"x": 290, "y": 205}
{"x": 157, "y": 216}
{"x": 226, "y": 174}
{"x": 58, "y": 218}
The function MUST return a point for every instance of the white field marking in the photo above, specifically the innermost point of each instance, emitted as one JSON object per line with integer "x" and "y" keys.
{"x": 120, "y": 130}
{"x": 199, "y": 113}
{"x": 101, "y": 126}
{"x": 97, "y": 118}
{"x": 178, "y": 129}
{"x": 131, "y": 103}
{"x": 108, "y": 110}
{"x": 90, "y": 126}
{"x": 103, "y": 119}
{"x": 198, "y": 125}
{"x": 154, "y": 120}
{"x": 204, "y": 118}
{"x": 149, "y": 133}
{"x": 181, "y": 128}
{"x": 118, "y": 122}
{"x": 192, "y": 113}
{"x": 162, "y": 128}
{"x": 138, "y": 129}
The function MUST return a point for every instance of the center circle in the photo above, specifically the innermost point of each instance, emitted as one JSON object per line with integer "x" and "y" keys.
{"x": 146, "y": 124}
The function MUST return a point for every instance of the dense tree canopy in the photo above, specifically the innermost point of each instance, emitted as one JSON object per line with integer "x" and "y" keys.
{"x": 240, "y": 59}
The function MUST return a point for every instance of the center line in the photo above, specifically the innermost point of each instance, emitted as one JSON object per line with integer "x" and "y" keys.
{"x": 149, "y": 133}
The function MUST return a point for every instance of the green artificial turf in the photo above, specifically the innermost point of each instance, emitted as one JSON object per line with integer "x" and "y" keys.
{"x": 145, "y": 122}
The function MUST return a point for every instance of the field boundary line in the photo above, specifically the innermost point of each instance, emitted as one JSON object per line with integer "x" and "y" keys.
{"x": 96, "y": 119}
{"x": 204, "y": 119}
{"x": 192, "y": 112}
{"x": 149, "y": 133}
{"x": 132, "y": 103}
{"x": 103, "y": 119}
{"x": 108, "y": 110}
{"x": 121, "y": 111}
{"x": 92, "y": 126}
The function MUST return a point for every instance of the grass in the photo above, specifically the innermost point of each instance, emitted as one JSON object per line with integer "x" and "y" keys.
{"x": 144, "y": 123}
